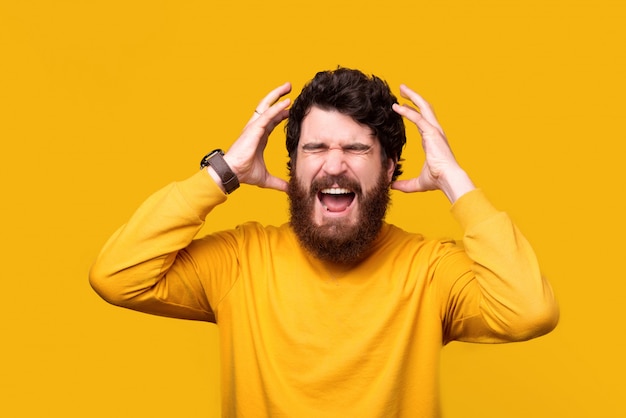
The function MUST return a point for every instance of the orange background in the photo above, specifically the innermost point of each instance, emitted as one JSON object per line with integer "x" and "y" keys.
{"x": 103, "y": 102}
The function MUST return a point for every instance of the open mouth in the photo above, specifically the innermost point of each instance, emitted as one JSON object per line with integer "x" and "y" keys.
{"x": 336, "y": 199}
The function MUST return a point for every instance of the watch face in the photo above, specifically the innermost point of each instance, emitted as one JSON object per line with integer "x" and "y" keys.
{"x": 205, "y": 160}
{"x": 216, "y": 151}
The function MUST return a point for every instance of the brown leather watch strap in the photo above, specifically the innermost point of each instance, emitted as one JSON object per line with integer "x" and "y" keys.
{"x": 216, "y": 160}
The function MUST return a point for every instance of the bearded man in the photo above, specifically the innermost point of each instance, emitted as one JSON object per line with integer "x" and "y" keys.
{"x": 335, "y": 313}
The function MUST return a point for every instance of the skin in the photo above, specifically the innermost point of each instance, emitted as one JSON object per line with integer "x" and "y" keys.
{"x": 333, "y": 144}
{"x": 439, "y": 172}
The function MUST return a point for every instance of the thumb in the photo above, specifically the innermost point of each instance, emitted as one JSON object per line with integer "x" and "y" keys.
{"x": 408, "y": 186}
{"x": 275, "y": 183}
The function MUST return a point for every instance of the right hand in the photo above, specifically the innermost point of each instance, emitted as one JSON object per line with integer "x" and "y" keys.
{"x": 245, "y": 156}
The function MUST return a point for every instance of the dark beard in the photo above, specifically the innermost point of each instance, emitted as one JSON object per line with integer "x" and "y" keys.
{"x": 336, "y": 241}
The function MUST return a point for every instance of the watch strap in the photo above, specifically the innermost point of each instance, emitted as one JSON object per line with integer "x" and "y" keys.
{"x": 216, "y": 160}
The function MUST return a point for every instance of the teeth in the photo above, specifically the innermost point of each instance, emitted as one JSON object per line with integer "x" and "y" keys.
{"x": 336, "y": 191}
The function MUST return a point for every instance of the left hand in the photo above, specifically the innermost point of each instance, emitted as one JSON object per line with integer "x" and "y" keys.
{"x": 441, "y": 170}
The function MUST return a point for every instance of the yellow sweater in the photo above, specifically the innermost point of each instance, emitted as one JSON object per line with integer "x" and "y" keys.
{"x": 303, "y": 339}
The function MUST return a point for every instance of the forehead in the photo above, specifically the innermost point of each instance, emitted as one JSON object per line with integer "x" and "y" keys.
{"x": 333, "y": 127}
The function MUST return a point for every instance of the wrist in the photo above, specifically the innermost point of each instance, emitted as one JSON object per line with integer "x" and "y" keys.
{"x": 220, "y": 171}
{"x": 216, "y": 178}
{"x": 455, "y": 183}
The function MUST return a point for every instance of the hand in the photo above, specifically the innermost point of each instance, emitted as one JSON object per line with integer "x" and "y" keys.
{"x": 245, "y": 156}
{"x": 441, "y": 170}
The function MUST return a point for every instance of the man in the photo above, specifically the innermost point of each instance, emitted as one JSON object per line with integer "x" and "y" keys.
{"x": 336, "y": 313}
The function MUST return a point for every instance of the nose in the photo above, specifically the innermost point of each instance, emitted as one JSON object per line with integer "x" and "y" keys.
{"x": 335, "y": 162}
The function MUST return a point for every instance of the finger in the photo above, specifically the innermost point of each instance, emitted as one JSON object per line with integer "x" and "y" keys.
{"x": 414, "y": 116}
{"x": 270, "y": 99}
{"x": 424, "y": 107}
{"x": 269, "y": 116}
{"x": 273, "y": 96}
{"x": 274, "y": 115}
{"x": 256, "y": 133}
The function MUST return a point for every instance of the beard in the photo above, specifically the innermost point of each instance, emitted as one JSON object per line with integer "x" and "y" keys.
{"x": 337, "y": 240}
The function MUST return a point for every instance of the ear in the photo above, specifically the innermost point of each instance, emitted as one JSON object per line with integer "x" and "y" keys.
{"x": 391, "y": 168}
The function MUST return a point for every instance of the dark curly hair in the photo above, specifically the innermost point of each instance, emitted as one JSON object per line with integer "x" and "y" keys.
{"x": 367, "y": 99}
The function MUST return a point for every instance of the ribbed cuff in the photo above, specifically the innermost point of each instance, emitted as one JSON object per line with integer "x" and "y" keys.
{"x": 201, "y": 192}
{"x": 472, "y": 208}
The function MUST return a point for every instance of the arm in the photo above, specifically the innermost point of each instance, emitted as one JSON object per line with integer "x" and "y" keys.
{"x": 145, "y": 265}
{"x": 493, "y": 290}
{"x": 502, "y": 296}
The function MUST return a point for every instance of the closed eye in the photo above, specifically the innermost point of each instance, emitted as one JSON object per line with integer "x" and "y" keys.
{"x": 354, "y": 149}
{"x": 357, "y": 149}
{"x": 314, "y": 148}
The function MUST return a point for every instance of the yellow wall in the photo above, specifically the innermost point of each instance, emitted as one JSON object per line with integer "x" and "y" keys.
{"x": 102, "y": 102}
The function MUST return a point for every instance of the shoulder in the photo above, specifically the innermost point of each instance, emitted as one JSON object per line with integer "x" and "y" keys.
{"x": 254, "y": 228}
{"x": 403, "y": 248}
{"x": 246, "y": 239}
{"x": 394, "y": 236}
{"x": 250, "y": 234}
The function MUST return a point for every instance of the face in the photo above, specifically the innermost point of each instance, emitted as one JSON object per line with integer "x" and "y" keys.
{"x": 339, "y": 189}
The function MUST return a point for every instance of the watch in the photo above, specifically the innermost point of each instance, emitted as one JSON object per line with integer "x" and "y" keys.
{"x": 216, "y": 160}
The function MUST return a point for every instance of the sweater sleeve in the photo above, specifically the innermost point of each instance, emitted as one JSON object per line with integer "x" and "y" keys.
{"x": 144, "y": 265}
{"x": 501, "y": 295}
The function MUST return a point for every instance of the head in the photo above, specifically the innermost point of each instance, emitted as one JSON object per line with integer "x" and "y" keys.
{"x": 344, "y": 142}
{"x": 366, "y": 99}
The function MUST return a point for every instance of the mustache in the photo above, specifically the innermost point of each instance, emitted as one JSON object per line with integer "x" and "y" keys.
{"x": 343, "y": 182}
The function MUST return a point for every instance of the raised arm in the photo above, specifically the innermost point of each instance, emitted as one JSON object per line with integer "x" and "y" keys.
{"x": 503, "y": 296}
{"x": 146, "y": 265}
{"x": 245, "y": 156}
